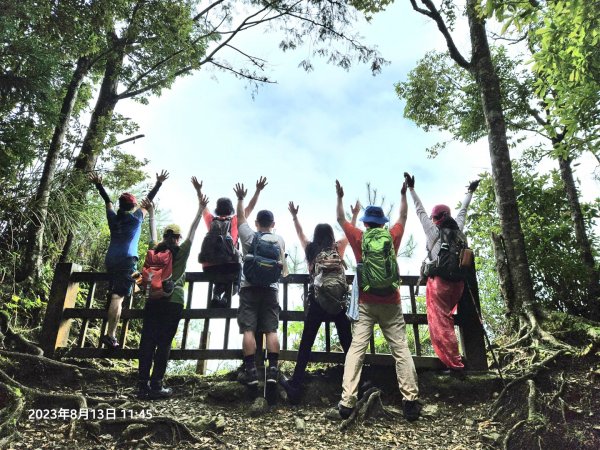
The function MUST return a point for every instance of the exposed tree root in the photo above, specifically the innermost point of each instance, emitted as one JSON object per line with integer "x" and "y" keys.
{"x": 533, "y": 415}
{"x": 368, "y": 407}
{"x": 11, "y": 408}
{"x": 44, "y": 372}
{"x": 515, "y": 427}
{"x": 17, "y": 395}
{"x": 533, "y": 371}
{"x": 163, "y": 429}
{"x": 14, "y": 341}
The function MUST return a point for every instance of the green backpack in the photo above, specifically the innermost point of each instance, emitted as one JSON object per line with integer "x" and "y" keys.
{"x": 378, "y": 273}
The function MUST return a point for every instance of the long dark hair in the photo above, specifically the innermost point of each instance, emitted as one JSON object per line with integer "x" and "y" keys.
{"x": 322, "y": 239}
{"x": 448, "y": 222}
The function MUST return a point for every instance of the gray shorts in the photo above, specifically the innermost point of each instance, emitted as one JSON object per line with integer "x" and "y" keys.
{"x": 259, "y": 310}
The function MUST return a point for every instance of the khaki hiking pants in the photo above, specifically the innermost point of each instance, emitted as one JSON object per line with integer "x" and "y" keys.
{"x": 391, "y": 322}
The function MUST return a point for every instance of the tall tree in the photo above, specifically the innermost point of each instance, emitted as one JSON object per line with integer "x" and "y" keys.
{"x": 482, "y": 68}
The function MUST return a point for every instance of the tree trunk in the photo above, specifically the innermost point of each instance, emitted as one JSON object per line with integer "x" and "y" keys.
{"x": 105, "y": 106}
{"x": 506, "y": 288}
{"x": 32, "y": 258}
{"x": 583, "y": 243}
{"x": 489, "y": 85}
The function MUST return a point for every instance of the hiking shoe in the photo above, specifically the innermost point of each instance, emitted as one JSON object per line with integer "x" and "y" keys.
{"x": 249, "y": 377}
{"x": 412, "y": 410}
{"x": 293, "y": 391}
{"x": 272, "y": 374}
{"x": 109, "y": 341}
{"x": 143, "y": 390}
{"x": 345, "y": 412}
{"x": 158, "y": 391}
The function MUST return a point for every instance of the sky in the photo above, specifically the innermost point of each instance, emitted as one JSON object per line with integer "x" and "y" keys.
{"x": 306, "y": 131}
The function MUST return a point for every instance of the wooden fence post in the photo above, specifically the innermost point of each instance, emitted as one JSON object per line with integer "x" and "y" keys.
{"x": 63, "y": 293}
{"x": 471, "y": 329}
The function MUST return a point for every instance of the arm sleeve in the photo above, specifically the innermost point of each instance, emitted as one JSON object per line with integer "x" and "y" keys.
{"x": 103, "y": 193}
{"x": 462, "y": 213}
{"x": 154, "y": 191}
{"x": 431, "y": 231}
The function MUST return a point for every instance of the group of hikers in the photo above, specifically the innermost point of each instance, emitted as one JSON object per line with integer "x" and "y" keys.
{"x": 249, "y": 262}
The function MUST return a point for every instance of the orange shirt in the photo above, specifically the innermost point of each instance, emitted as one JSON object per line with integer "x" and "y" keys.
{"x": 354, "y": 236}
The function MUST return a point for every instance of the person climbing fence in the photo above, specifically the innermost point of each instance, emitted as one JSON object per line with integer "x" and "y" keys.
{"x": 219, "y": 255}
{"x": 121, "y": 258}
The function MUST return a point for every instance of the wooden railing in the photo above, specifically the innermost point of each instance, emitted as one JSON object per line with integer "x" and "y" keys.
{"x": 69, "y": 280}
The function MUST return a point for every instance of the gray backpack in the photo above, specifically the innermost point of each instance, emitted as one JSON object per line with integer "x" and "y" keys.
{"x": 329, "y": 281}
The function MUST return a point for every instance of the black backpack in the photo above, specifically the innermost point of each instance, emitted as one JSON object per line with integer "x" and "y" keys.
{"x": 261, "y": 265}
{"x": 217, "y": 246}
{"x": 454, "y": 258}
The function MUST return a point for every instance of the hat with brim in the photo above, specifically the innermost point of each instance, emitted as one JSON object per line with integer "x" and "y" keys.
{"x": 172, "y": 229}
{"x": 374, "y": 214}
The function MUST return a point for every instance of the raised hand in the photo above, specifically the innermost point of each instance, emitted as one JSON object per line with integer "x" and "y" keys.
{"x": 293, "y": 210}
{"x": 410, "y": 181}
{"x": 95, "y": 177}
{"x": 202, "y": 199}
{"x": 403, "y": 190}
{"x": 240, "y": 192}
{"x": 473, "y": 185}
{"x": 339, "y": 189}
{"x": 355, "y": 209}
{"x": 162, "y": 177}
{"x": 197, "y": 185}
{"x": 261, "y": 183}
{"x": 147, "y": 204}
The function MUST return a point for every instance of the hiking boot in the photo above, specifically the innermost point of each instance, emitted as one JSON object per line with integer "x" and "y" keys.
{"x": 143, "y": 390}
{"x": 249, "y": 377}
{"x": 272, "y": 374}
{"x": 412, "y": 410}
{"x": 109, "y": 341}
{"x": 345, "y": 412}
{"x": 158, "y": 391}
{"x": 340, "y": 412}
{"x": 293, "y": 391}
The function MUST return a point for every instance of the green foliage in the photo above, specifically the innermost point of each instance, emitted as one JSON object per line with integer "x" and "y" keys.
{"x": 557, "y": 271}
{"x": 563, "y": 38}
{"x": 441, "y": 95}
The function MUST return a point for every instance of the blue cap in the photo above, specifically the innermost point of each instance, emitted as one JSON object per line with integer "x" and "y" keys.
{"x": 374, "y": 214}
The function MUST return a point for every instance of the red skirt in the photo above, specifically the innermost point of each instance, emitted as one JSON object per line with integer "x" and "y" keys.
{"x": 442, "y": 298}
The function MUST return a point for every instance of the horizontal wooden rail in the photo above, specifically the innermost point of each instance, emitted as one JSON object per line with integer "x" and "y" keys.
{"x": 69, "y": 280}
{"x": 230, "y": 313}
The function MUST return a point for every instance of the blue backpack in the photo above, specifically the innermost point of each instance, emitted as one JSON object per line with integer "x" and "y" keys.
{"x": 261, "y": 265}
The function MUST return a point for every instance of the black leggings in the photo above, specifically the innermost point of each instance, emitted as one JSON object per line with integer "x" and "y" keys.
{"x": 317, "y": 315}
{"x": 161, "y": 318}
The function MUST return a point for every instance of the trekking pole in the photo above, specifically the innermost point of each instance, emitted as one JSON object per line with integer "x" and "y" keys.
{"x": 487, "y": 338}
